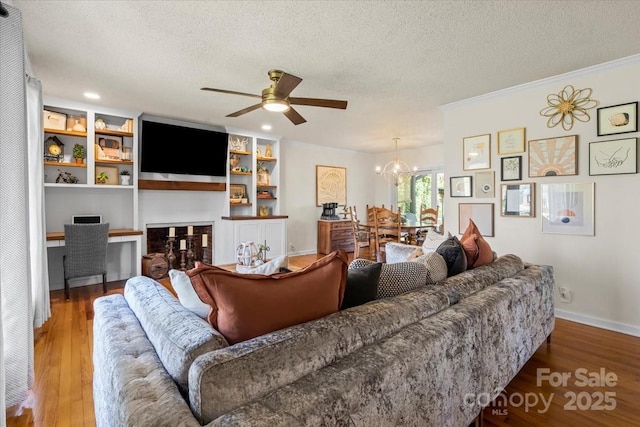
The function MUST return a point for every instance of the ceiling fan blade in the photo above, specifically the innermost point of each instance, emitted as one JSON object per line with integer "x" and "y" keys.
{"x": 286, "y": 84}
{"x": 245, "y": 110}
{"x": 317, "y": 102}
{"x": 294, "y": 116}
{"x": 232, "y": 92}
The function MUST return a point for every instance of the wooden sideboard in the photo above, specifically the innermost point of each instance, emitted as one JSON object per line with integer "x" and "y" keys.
{"x": 333, "y": 235}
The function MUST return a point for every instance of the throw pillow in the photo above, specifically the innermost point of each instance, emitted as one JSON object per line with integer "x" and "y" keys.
{"x": 436, "y": 267}
{"x": 186, "y": 294}
{"x": 477, "y": 250}
{"x": 362, "y": 285}
{"x": 432, "y": 240}
{"x": 244, "y": 306}
{"x": 453, "y": 254}
{"x": 396, "y": 278}
{"x": 268, "y": 268}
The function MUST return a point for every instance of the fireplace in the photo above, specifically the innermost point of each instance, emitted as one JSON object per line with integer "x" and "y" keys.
{"x": 201, "y": 242}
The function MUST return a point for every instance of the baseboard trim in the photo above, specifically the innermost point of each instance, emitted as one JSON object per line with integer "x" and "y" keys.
{"x": 307, "y": 252}
{"x": 93, "y": 280}
{"x": 623, "y": 328}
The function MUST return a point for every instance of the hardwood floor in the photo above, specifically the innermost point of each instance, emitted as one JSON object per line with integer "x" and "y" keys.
{"x": 62, "y": 394}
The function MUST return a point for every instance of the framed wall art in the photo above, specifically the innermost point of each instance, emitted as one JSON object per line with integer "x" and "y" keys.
{"x": 331, "y": 185}
{"x": 237, "y": 192}
{"x": 483, "y": 183}
{"x": 553, "y": 156}
{"x": 567, "y": 208}
{"x": 108, "y": 147}
{"x": 460, "y": 186}
{"x": 617, "y": 119}
{"x": 518, "y": 200}
{"x": 511, "y": 141}
{"x": 615, "y": 157}
{"x": 511, "y": 168}
{"x": 480, "y": 213}
{"x": 476, "y": 152}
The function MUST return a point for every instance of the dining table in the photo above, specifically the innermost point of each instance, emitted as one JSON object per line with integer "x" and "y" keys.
{"x": 408, "y": 226}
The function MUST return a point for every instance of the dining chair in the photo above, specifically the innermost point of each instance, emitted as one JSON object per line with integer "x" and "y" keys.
{"x": 387, "y": 229}
{"x": 361, "y": 236}
{"x": 428, "y": 221}
{"x": 429, "y": 217}
{"x": 85, "y": 252}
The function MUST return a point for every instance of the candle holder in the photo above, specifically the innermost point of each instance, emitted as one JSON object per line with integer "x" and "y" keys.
{"x": 183, "y": 262}
{"x": 190, "y": 253}
{"x": 171, "y": 256}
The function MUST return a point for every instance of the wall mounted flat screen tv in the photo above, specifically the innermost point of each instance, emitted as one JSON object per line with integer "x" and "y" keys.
{"x": 167, "y": 148}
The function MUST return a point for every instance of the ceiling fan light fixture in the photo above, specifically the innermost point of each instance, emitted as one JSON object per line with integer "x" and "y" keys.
{"x": 275, "y": 105}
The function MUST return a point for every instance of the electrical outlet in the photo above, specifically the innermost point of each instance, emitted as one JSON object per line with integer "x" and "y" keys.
{"x": 291, "y": 247}
{"x": 565, "y": 294}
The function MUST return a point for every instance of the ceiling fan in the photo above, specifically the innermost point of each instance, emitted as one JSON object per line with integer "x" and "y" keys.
{"x": 276, "y": 98}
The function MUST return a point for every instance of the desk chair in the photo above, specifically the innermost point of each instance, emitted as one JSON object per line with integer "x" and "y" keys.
{"x": 387, "y": 229}
{"x": 85, "y": 252}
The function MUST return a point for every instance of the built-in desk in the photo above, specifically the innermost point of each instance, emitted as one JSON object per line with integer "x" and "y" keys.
{"x": 116, "y": 235}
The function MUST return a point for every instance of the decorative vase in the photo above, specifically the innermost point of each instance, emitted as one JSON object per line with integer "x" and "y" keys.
{"x": 247, "y": 254}
{"x": 124, "y": 179}
{"x": 79, "y": 160}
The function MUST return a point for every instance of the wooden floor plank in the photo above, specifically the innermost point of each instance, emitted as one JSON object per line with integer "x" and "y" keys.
{"x": 62, "y": 392}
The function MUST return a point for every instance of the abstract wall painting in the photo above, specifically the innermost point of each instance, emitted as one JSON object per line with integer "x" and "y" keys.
{"x": 553, "y": 156}
{"x": 568, "y": 208}
{"x": 615, "y": 157}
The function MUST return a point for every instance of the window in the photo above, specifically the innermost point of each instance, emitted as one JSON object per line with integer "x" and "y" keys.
{"x": 423, "y": 190}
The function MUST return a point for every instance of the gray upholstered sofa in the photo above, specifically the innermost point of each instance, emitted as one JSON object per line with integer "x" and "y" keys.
{"x": 416, "y": 359}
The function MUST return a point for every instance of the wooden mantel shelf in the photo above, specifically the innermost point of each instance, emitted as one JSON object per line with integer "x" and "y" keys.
{"x": 148, "y": 184}
{"x": 248, "y": 217}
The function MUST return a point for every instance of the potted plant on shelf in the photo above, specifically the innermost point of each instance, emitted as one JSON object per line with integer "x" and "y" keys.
{"x": 79, "y": 153}
{"x": 124, "y": 177}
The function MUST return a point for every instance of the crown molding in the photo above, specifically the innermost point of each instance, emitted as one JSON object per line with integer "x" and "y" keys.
{"x": 560, "y": 78}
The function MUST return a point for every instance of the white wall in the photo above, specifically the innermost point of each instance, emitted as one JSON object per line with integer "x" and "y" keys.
{"x": 603, "y": 270}
{"x": 298, "y": 189}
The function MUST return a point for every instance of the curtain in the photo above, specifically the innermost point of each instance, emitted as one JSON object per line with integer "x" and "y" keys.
{"x": 16, "y": 305}
{"x": 37, "y": 223}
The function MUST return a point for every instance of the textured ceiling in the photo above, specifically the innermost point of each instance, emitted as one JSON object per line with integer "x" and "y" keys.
{"x": 395, "y": 62}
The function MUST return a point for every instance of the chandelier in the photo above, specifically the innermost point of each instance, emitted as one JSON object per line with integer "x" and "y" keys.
{"x": 395, "y": 169}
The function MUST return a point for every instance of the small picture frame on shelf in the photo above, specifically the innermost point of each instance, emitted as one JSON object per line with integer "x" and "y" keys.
{"x": 511, "y": 168}
{"x": 107, "y": 175}
{"x": 618, "y": 119}
{"x": 108, "y": 147}
{"x": 237, "y": 192}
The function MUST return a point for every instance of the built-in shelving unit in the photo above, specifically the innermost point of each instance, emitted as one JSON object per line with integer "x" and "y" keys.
{"x": 256, "y": 176}
{"x": 118, "y": 204}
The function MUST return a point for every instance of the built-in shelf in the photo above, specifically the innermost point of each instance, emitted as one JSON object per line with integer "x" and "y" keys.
{"x": 242, "y": 153}
{"x": 147, "y": 184}
{"x": 65, "y": 132}
{"x": 266, "y": 198}
{"x": 66, "y": 165}
{"x": 63, "y": 185}
{"x": 240, "y": 173}
{"x": 267, "y": 159}
{"x": 114, "y": 162}
{"x": 266, "y": 186}
{"x": 113, "y": 132}
{"x": 241, "y": 204}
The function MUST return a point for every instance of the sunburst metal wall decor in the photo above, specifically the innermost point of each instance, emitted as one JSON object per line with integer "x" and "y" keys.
{"x": 568, "y": 105}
